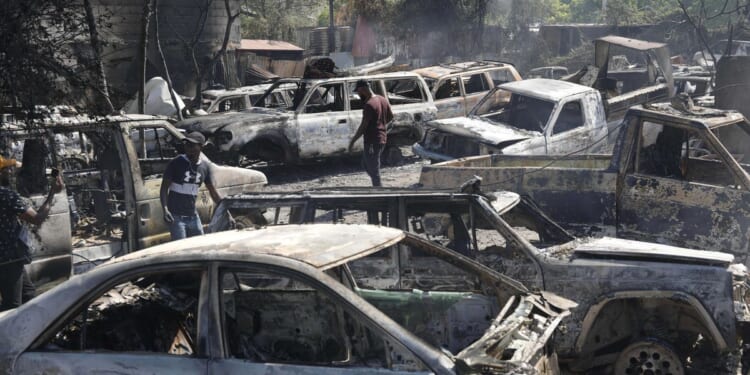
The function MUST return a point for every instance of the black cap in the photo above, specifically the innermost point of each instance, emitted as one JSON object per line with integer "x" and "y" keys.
{"x": 361, "y": 83}
{"x": 195, "y": 137}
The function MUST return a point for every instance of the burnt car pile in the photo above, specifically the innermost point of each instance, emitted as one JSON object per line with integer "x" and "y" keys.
{"x": 520, "y": 252}
{"x": 683, "y": 306}
{"x": 281, "y": 299}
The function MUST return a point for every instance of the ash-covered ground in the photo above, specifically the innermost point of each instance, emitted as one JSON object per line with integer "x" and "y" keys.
{"x": 342, "y": 172}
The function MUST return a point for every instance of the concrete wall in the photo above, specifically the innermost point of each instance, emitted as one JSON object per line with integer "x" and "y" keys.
{"x": 178, "y": 20}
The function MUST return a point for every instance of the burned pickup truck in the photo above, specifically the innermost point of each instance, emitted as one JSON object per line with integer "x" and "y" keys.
{"x": 280, "y": 300}
{"x": 677, "y": 176}
{"x": 633, "y": 297}
{"x": 627, "y": 72}
{"x": 112, "y": 169}
{"x": 530, "y": 117}
{"x": 323, "y": 117}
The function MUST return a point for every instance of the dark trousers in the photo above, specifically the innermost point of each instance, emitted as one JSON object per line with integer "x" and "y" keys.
{"x": 15, "y": 286}
{"x": 371, "y": 161}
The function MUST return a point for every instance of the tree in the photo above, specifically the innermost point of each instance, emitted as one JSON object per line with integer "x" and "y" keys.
{"x": 204, "y": 64}
{"x": 278, "y": 19}
{"x": 45, "y": 54}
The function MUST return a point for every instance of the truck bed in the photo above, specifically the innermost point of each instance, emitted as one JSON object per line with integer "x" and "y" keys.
{"x": 574, "y": 190}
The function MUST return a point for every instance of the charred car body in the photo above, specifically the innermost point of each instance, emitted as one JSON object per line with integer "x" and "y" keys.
{"x": 283, "y": 300}
{"x": 323, "y": 117}
{"x": 112, "y": 171}
{"x": 628, "y": 72}
{"x": 677, "y": 176}
{"x": 632, "y": 296}
{"x": 529, "y": 117}
{"x": 457, "y": 87}
{"x": 244, "y": 98}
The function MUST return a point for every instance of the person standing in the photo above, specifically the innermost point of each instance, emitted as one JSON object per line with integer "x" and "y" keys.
{"x": 15, "y": 285}
{"x": 376, "y": 114}
{"x": 179, "y": 188}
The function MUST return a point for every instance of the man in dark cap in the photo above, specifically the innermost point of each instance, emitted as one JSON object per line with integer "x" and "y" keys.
{"x": 376, "y": 114}
{"x": 179, "y": 188}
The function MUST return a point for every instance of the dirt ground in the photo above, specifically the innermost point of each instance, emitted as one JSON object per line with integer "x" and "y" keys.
{"x": 342, "y": 172}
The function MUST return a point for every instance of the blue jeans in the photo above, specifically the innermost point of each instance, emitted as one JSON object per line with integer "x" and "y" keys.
{"x": 185, "y": 226}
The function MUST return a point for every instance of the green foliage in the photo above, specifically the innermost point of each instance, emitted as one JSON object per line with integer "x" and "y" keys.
{"x": 278, "y": 19}
{"x": 44, "y": 52}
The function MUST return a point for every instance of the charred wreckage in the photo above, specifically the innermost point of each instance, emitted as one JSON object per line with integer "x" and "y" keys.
{"x": 443, "y": 279}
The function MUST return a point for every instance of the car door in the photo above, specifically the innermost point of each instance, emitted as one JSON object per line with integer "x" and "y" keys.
{"x": 475, "y": 86}
{"x": 323, "y": 124}
{"x": 677, "y": 191}
{"x": 570, "y": 131}
{"x": 144, "y": 324}
{"x": 448, "y": 98}
{"x": 277, "y": 321}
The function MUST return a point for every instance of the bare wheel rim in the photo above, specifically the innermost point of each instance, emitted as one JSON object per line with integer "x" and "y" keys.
{"x": 648, "y": 357}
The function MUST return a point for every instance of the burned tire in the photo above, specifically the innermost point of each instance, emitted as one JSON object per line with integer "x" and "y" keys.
{"x": 649, "y": 357}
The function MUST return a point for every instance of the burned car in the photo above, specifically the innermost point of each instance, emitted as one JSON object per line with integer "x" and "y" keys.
{"x": 323, "y": 117}
{"x": 112, "y": 168}
{"x": 530, "y": 117}
{"x": 457, "y": 87}
{"x": 685, "y": 307}
{"x": 279, "y": 300}
{"x": 628, "y": 72}
{"x": 244, "y": 98}
{"x": 677, "y": 176}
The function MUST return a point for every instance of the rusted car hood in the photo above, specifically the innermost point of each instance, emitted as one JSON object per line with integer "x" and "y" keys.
{"x": 212, "y": 123}
{"x": 627, "y": 249}
{"x": 516, "y": 336}
{"x": 481, "y": 130}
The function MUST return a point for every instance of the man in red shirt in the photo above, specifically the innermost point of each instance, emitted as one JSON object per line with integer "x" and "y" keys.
{"x": 376, "y": 114}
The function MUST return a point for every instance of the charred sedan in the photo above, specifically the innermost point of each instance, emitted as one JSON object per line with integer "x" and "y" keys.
{"x": 280, "y": 299}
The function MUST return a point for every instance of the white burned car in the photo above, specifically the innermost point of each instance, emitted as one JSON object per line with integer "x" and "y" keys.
{"x": 323, "y": 116}
{"x": 279, "y": 300}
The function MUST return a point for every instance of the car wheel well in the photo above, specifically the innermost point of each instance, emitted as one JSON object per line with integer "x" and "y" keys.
{"x": 267, "y": 148}
{"x": 613, "y": 324}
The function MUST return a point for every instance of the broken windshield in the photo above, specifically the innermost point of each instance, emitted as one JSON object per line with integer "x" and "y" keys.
{"x": 520, "y": 111}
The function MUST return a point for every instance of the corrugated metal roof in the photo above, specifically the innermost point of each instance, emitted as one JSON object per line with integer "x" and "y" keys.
{"x": 320, "y": 245}
{"x": 267, "y": 45}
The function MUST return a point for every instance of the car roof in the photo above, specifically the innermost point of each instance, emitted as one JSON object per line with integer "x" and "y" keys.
{"x": 322, "y": 246}
{"x": 438, "y": 71}
{"x": 700, "y": 118}
{"x": 544, "y": 88}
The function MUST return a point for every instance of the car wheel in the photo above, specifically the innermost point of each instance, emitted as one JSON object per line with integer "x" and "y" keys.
{"x": 649, "y": 357}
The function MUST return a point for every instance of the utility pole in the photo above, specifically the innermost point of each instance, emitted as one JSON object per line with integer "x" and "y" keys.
{"x": 331, "y": 29}
{"x": 603, "y": 15}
